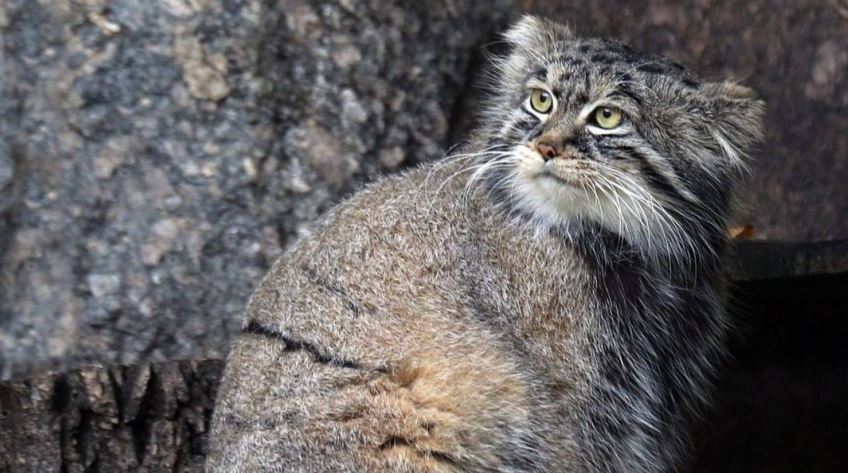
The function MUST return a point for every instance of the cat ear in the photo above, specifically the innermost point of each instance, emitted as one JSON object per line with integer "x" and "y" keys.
{"x": 737, "y": 120}
{"x": 532, "y": 32}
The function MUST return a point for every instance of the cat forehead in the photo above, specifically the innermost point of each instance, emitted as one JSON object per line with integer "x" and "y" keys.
{"x": 577, "y": 59}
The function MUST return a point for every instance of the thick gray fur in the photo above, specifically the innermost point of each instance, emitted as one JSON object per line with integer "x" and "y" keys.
{"x": 494, "y": 312}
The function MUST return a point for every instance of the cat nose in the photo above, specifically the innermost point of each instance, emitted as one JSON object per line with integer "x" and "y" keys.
{"x": 548, "y": 151}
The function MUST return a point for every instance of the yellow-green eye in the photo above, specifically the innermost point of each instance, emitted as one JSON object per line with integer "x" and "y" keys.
{"x": 607, "y": 117}
{"x": 541, "y": 101}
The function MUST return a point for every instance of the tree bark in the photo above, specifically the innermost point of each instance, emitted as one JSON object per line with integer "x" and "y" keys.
{"x": 145, "y": 418}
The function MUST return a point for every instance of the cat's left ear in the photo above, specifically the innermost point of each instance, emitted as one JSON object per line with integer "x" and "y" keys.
{"x": 533, "y": 32}
{"x": 737, "y": 120}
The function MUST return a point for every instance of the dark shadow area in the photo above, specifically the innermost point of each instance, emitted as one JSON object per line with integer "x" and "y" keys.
{"x": 781, "y": 405}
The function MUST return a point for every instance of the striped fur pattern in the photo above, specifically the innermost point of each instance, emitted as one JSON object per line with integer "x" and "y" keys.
{"x": 499, "y": 311}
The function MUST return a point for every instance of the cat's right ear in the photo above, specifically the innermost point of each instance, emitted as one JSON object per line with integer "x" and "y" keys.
{"x": 533, "y": 33}
{"x": 736, "y": 117}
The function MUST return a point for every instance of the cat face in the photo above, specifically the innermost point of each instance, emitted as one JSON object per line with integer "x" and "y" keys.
{"x": 588, "y": 130}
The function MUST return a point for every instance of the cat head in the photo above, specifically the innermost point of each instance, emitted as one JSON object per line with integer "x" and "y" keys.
{"x": 588, "y": 131}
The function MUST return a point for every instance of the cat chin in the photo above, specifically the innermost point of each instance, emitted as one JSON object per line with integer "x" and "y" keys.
{"x": 553, "y": 203}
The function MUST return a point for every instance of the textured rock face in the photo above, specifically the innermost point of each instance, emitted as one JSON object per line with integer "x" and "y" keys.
{"x": 157, "y": 156}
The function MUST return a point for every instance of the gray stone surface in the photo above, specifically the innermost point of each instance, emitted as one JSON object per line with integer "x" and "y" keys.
{"x": 157, "y": 156}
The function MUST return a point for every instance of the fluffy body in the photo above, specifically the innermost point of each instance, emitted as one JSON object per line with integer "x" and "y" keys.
{"x": 497, "y": 311}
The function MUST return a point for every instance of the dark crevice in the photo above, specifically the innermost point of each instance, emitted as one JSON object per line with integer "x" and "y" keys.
{"x": 85, "y": 439}
{"x": 116, "y": 390}
{"x": 59, "y": 403}
{"x": 61, "y": 395}
{"x": 178, "y": 455}
{"x": 255, "y": 328}
{"x": 140, "y": 425}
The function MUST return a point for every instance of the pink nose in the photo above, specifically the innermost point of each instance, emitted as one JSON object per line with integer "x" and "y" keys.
{"x": 547, "y": 151}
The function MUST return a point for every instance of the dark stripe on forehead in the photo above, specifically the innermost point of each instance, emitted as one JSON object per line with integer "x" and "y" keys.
{"x": 587, "y": 81}
{"x": 691, "y": 83}
{"x": 604, "y": 59}
{"x": 541, "y": 74}
{"x": 632, "y": 59}
{"x": 678, "y": 67}
{"x": 653, "y": 68}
